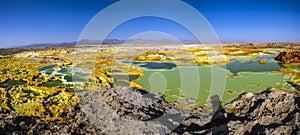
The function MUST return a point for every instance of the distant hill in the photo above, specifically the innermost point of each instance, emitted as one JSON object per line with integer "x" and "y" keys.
{"x": 50, "y": 44}
{"x": 114, "y": 41}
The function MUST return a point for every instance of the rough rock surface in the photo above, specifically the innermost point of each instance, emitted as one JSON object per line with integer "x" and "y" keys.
{"x": 122, "y": 110}
{"x": 290, "y": 56}
{"x": 269, "y": 112}
{"x": 129, "y": 111}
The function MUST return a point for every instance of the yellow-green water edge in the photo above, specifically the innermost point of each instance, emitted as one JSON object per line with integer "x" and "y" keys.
{"x": 245, "y": 82}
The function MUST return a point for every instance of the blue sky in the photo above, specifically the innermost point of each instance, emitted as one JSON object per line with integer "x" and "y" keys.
{"x": 25, "y": 22}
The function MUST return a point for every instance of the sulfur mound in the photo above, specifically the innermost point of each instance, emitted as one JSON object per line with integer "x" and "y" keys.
{"x": 290, "y": 56}
{"x": 152, "y": 56}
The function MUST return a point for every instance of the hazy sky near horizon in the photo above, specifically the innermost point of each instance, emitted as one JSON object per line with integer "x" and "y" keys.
{"x": 25, "y": 22}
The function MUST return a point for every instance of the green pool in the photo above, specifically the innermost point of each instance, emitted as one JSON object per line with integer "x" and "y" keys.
{"x": 197, "y": 82}
{"x": 200, "y": 82}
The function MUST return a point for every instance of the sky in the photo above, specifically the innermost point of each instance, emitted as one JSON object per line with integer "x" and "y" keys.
{"x": 24, "y": 22}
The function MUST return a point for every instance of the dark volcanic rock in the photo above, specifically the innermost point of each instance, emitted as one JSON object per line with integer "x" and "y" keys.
{"x": 289, "y": 56}
{"x": 131, "y": 104}
{"x": 269, "y": 112}
{"x": 120, "y": 110}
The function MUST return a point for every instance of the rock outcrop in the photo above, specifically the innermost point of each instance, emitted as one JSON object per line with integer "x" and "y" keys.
{"x": 121, "y": 110}
{"x": 262, "y": 60}
{"x": 269, "y": 112}
{"x": 290, "y": 56}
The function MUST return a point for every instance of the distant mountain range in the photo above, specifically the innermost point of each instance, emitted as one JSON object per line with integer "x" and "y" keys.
{"x": 130, "y": 41}
{"x": 115, "y": 41}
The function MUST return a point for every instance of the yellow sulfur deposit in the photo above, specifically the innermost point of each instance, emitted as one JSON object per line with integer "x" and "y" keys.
{"x": 134, "y": 84}
{"x": 212, "y": 60}
{"x": 134, "y": 70}
{"x": 152, "y": 56}
{"x": 241, "y": 52}
{"x": 43, "y": 102}
{"x": 200, "y": 53}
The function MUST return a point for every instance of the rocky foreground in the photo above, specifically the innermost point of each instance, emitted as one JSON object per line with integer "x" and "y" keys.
{"x": 129, "y": 111}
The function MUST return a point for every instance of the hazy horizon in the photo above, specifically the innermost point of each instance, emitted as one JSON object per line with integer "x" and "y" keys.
{"x": 147, "y": 42}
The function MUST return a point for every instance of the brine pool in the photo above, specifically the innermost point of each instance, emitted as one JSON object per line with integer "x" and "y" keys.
{"x": 199, "y": 82}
